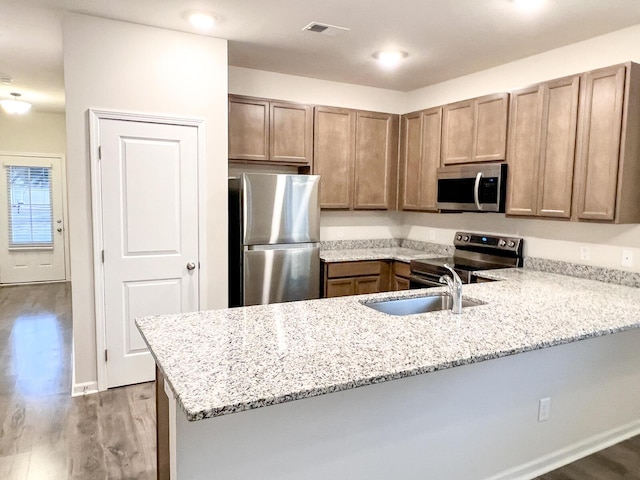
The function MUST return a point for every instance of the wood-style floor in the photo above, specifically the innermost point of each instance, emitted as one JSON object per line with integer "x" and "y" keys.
{"x": 45, "y": 434}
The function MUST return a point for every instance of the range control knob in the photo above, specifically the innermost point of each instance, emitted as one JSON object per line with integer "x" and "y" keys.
{"x": 466, "y": 238}
{"x": 459, "y": 237}
{"x": 502, "y": 243}
{"x": 512, "y": 244}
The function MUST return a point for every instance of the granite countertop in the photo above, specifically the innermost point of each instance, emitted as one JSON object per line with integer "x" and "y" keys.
{"x": 224, "y": 361}
{"x": 401, "y": 254}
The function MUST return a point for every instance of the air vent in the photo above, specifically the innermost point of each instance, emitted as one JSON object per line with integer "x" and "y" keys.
{"x": 324, "y": 29}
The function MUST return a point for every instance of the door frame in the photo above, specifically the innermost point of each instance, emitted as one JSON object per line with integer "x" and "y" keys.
{"x": 95, "y": 116}
{"x": 65, "y": 211}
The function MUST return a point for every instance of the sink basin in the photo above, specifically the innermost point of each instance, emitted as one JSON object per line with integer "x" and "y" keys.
{"x": 411, "y": 306}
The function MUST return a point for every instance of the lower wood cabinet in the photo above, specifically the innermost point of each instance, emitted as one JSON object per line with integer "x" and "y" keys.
{"x": 163, "y": 463}
{"x": 355, "y": 278}
{"x": 400, "y": 278}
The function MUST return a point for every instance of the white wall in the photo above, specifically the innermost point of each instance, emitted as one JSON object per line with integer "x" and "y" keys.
{"x": 34, "y": 132}
{"x": 258, "y": 83}
{"x": 125, "y": 67}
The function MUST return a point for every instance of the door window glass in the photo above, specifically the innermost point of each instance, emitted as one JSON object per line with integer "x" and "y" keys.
{"x": 30, "y": 206}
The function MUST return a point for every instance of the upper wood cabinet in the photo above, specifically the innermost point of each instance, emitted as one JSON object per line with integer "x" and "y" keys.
{"x": 334, "y": 153}
{"x": 475, "y": 130}
{"x": 541, "y": 148}
{"x": 608, "y": 147}
{"x": 248, "y": 128}
{"x": 376, "y": 161}
{"x": 419, "y": 159}
{"x": 270, "y": 131}
{"x": 355, "y": 153}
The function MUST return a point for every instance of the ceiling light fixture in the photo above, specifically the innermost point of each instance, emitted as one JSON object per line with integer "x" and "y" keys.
{"x": 201, "y": 20}
{"x": 390, "y": 58}
{"x": 528, "y": 5}
{"x": 15, "y": 106}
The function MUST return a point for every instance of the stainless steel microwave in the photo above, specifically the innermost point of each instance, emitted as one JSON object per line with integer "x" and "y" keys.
{"x": 472, "y": 188}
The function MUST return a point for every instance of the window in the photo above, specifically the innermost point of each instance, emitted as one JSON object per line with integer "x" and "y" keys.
{"x": 30, "y": 206}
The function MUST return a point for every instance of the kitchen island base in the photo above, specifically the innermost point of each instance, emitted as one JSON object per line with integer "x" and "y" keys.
{"x": 475, "y": 421}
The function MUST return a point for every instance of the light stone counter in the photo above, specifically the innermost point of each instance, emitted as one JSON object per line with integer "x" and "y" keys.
{"x": 224, "y": 361}
{"x": 401, "y": 254}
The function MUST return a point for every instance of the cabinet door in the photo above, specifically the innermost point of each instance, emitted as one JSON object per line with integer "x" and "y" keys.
{"x": 557, "y": 148}
{"x": 334, "y": 153}
{"x": 411, "y": 161}
{"x": 248, "y": 129}
{"x": 524, "y": 150}
{"x": 400, "y": 283}
{"x": 375, "y": 161}
{"x": 599, "y": 143}
{"x": 291, "y": 138}
{"x": 340, "y": 287}
{"x": 431, "y": 140}
{"x": 490, "y": 128}
{"x": 457, "y": 132}
{"x": 367, "y": 285}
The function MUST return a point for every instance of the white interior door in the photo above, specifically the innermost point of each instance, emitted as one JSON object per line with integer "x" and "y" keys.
{"x": 31, "y": 219}
{"x": 149, "y": 193}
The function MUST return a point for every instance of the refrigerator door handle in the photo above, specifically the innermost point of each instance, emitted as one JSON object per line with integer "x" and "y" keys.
{"x": 281, "y": 246}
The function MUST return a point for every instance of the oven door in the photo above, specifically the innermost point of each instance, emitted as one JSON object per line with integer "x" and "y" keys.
{"x": 424, "y": 281}
{"x": 472, "y": 188}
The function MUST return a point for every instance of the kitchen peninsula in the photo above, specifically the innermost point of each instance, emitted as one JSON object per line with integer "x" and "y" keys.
{"x": 439, "y": 395}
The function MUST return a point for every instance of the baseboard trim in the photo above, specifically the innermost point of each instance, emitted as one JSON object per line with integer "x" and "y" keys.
{"x": 569, "y": 454}
{"x": 84, "y": 388}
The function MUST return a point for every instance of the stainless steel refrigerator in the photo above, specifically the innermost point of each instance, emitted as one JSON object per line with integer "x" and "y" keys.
{"x": 274, "y": 238}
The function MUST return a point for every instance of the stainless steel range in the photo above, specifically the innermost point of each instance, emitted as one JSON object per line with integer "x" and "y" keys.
{"x": 474, "y": 251}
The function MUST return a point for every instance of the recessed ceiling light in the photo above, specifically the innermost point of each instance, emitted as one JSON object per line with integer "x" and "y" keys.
{"x": 201, "y": 20}
{"x": 390, "y": 58}
{"x": 529, "y": 5}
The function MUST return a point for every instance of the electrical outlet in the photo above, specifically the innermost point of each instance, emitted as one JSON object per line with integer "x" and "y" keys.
{"x": 585, "y": 253}
{"x": 627, "y": 258}
{"x": 544, "y": 409}
{"x": 340, "y": 233}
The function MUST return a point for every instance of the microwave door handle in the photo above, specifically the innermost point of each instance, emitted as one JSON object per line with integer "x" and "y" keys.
{"x": 476, "y": 191}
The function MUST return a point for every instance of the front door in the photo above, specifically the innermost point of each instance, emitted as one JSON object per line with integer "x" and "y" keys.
{"x": 149, "y": 197}
{"x": 31, "y": 219}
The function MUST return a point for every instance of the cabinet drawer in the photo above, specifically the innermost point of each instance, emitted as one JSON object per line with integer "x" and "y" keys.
{"x": 401, "y": 269}
{"x": 353, "y": 269}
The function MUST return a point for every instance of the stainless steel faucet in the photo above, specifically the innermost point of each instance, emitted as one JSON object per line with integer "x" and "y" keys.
{"x": 455, "y": 288}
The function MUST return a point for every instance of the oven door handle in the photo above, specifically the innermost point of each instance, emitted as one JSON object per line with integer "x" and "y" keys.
{"x": 476, "y": 191}
{"x": 424, "y": 281}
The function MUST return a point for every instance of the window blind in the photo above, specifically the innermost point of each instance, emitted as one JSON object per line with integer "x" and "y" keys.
{"x": 30, "y": 206}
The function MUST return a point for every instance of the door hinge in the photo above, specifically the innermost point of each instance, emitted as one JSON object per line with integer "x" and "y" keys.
{"x": 100, "y": 153}
{"x": 102, "y": 256}
{"x": 106, "y": 355}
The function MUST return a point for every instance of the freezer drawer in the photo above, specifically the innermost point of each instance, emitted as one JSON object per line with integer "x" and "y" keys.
{"x": 282, "y": 274}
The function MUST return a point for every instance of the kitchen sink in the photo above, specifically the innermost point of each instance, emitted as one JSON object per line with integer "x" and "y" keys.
{"x": 411, "y": 306}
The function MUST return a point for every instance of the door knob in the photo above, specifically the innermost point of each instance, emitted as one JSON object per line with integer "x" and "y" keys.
{"x": 191, "y": 266}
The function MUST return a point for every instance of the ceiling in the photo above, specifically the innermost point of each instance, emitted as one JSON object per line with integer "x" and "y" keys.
{"x": 444, "y": 38}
